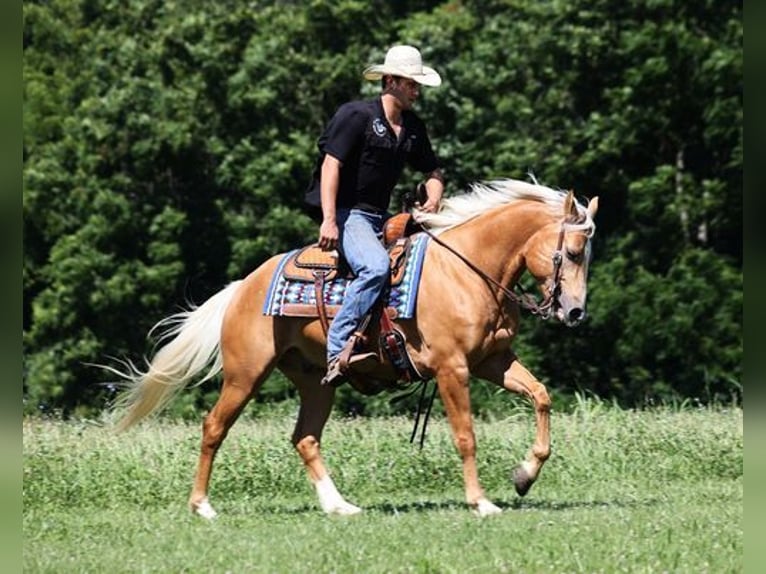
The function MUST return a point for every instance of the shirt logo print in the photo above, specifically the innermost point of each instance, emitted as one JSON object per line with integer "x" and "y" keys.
{"x": 379, "y": 128}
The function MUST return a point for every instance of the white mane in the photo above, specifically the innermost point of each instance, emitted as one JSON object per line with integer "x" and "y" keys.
{"x": 483, "y": 196}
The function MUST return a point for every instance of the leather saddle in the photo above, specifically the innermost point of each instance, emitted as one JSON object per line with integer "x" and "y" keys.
{"x": 313, "y": 265}
{"x": 311, "y": 261}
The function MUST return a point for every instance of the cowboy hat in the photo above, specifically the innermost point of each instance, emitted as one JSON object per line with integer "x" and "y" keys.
{"x": 404, "y": 61}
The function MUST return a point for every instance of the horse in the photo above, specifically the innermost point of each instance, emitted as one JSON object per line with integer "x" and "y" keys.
{"x": 466, "y": 318}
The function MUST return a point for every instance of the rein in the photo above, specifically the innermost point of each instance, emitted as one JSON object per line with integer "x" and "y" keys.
{"x": 525, "y": 300}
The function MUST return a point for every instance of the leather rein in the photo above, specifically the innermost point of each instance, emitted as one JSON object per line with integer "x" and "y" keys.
{"x": 544, "y": 309}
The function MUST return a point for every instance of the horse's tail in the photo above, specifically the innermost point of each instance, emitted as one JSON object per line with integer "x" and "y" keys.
{"x": 194, "y": 346}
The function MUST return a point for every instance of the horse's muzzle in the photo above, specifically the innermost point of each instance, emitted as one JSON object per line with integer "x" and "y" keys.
{"x": 570, "y": 317}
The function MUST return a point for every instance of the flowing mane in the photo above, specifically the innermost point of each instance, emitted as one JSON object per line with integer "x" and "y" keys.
{"x": 483, "y": 196}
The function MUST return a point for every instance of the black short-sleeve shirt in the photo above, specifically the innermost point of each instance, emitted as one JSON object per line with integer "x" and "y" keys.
{"x": 371, "y": 155}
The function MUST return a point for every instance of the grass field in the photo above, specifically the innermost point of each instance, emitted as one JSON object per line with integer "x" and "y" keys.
{"x": 624, "y": 491}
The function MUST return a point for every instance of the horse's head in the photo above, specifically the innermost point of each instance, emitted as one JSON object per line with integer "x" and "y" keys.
{"x": 558, "y": 256}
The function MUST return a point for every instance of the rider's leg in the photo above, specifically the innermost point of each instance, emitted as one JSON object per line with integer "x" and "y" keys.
{"x": 363, "y": 250}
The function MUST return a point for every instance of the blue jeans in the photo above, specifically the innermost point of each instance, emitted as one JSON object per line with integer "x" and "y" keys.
{"x": 360, "y": 235}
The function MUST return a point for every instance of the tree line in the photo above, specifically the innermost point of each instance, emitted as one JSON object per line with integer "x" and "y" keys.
{"x": 167, "y": 147}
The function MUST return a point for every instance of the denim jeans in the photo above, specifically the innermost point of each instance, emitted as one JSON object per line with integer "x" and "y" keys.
{"x": 360, "y": 235}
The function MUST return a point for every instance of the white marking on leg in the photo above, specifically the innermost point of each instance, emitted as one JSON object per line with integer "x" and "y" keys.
{"x": 330, "y": 499}
{"x": 205, "y": 510}
{"x": 531, "y": 468}
{"x": 485, "y": 508}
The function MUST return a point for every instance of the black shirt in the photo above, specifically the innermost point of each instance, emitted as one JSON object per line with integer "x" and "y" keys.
{"x": 372, "y": 157}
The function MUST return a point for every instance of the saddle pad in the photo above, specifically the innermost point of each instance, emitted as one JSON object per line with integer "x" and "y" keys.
{"x": 296, "y": 298}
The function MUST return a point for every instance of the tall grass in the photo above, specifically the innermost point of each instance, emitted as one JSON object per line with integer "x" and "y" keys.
{"x": 631, "y": 491}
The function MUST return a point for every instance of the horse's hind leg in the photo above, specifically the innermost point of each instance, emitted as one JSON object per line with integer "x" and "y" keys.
{"x": 316, "y": 405}
{"x": 506, "y": 371}
{"x": 239, "y": 386}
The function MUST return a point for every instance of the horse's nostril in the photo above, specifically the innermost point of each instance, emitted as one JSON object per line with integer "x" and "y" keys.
{"x": 575, "y": 314}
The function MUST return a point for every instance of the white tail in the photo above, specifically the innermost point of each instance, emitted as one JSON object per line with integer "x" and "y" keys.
{"x": 194, "y": 346}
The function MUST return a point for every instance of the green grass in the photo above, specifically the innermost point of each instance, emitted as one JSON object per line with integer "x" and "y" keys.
{"x": 624, "y": 491}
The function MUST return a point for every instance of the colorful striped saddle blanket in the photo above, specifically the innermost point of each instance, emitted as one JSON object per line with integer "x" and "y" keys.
{"x": 292, "y": 290}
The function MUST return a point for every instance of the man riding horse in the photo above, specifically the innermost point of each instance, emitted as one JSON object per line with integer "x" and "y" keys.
{"x": 363, "y": 151}
{"x": 479, "y": 244}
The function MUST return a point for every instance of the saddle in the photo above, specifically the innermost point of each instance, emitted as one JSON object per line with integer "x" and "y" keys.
{"x": 312, "y": 261}
{"x": 311, "y": 264}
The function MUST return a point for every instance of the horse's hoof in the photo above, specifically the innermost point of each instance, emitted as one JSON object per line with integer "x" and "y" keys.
{"x": 344, "y": 509}
{"x": 485, "y": 508}
{"x": 522, "y": 480}
{"x": 204, "y": 510}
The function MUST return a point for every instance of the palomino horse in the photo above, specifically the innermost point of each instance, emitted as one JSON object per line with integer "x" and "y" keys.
{"x": 465, "y": 320}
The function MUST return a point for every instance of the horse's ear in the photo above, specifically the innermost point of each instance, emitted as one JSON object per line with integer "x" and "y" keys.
{"x": 593, "y": 207}
{"x": 570, "y": 205}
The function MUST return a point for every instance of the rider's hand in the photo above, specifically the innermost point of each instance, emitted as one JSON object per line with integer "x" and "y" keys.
{"x": 429, "y": 206}
{"x": 328, "y": 235}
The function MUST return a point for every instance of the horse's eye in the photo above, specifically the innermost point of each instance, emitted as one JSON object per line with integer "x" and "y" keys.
{"x": 574, "y": 256}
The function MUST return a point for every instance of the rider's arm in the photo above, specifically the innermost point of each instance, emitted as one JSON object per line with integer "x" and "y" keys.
{"x": 434, "y": 191}
{"x": 330, "y": 178}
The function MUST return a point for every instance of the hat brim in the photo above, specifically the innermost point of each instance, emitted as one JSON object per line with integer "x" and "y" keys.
{"x": 429, "y": 77}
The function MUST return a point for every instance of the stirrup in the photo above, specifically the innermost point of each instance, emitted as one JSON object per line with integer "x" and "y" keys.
{"x": 359, "y": 363}
{"x": 335, "y": 375}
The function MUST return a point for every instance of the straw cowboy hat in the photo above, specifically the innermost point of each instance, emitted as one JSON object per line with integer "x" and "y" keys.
{"x": 404, "y": 61}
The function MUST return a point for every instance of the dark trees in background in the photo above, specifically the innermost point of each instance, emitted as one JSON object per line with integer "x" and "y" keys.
{"x": 167, "y": 147}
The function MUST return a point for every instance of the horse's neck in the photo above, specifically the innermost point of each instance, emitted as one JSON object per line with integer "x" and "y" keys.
{"x": 495, "y": 241}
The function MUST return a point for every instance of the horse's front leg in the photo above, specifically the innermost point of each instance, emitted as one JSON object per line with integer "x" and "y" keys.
{"x": 453, "y": 389}
{"x": 505, "y": 370}
{"x": 316, "y": 405}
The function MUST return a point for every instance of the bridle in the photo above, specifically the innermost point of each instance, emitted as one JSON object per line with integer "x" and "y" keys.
{"x": 543, "y": 309}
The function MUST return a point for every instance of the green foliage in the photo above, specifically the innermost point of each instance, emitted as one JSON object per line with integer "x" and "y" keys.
{"x": 167, "y": 147}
